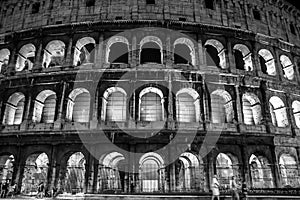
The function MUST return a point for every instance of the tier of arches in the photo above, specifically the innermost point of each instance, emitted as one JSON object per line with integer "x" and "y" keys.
{"x": 187, "y": 174}
{"x": 151, "y": 49}
{"x": 151, "y": 106}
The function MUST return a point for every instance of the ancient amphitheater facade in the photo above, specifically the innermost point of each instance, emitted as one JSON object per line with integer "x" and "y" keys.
{"x": 81, "y": 79}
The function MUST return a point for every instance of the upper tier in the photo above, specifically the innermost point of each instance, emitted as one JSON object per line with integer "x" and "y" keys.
{"x": 276, "y": 18}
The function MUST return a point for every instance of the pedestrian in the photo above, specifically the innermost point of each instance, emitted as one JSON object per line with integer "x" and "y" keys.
{"x": 4, "y": 188}
{"x": 234, "y": 189}
{"x": 215, "y": 188}
{"x": 40, "y": 193}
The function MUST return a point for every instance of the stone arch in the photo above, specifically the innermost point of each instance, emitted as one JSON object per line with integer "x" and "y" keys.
{"x": 75, "y": 173}
{"x": 287, "y": 67}
{"x": 251, "y": 109}
{"x": 110, "y": 175}
{"x": 221, "y": 107}
{"x": 278, "y": 112}
{"x": 44, "y": 107}
{"x": 243, "y": 57}
{"x": 296, "y": 112}
{"x": 78, "y": 108}
{"x": 151, "y": 104}
{"x": 14, "y": 109}
{"x": 114, "y": 104}
{"x": 6, "y": 167}
{"x": 35, "y": 173}
{"x": 151, "y": 45}
{"x": 26, "y": 57}
{"x": 151, "y": 172}
{"x": 54, "y": 54}
{"x": 289, "y": 170}
{"x": 187, "y": 105}
{"x": 260, "y": 172}
{"x": 227, "y": 166}
{"x": 267, "y": 62}
{"x": 84, "y": 51}
{"x": 190, "y": 57}
{"x": 119, "y": 55}
{"x": 215, "y": 53}
{"x": 4, "y": 59}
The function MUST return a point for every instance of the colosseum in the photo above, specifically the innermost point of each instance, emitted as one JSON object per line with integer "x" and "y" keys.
{"x": 128, "y": 99}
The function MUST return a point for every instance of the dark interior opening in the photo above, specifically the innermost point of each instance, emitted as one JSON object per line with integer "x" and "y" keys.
{"x": 150, "y": 53}
{"x": 263, "y": 65}
{"x": 182, "y": 54}
{"x": 239, "y": 60}
{"x": 118, "y": 53}
{"x": 212, "y": 57}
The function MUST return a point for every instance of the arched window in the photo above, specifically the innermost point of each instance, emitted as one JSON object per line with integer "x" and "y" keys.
{"x": 188, "y": 170}
{"x": 215, "y": 54}
{"x": 151, "y": 103}
{"x": 84, "y": 51}
{"x": 75, "y": 173}
{"x": 296, "y": 112}
{"x": 6, "y": 167}
{"x": 187, "y": 105}
{"x": 4, "y": 59}
{"x": 54, "y": 54}
{"x": 151, "y": 172}
{"x": 251, "y": 109}
{"x": 289, "y": 171}
{"x": 26, "y": 57}
{"x": 35, "y": 172}
{"x": 78, "y": 109}
{"x": 267, "y": 62}
{"x": 278, "y": 112}
{"x": 227, "y": 166}
{"x": 14, "y": 109}
{"x": 151, "y": 50}
{"x": 221, "y": 107}
{"x": 117, "y": 50}
{"x": 114, "y": 104}
{"x": 44, "y": 107}
{"x": 287, "y": 67}
{"x": 110, "y": 176}
{"x": 184, "y": 51}
{"x": 242, "y": 57}
{"x": 261, "y": 172}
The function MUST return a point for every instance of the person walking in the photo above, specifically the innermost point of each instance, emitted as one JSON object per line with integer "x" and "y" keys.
{"x": 234, "y": 189}
{"x": 4, "y": 189}
{"x": 215, "y": 188}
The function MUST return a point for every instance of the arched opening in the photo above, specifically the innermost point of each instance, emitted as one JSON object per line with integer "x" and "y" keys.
{"x": 110, "y": 176}
{"x": 44, "y": 107}
{"x": 54, "y": 54}
{"x": 221, "y": 107}
{"x": 84, "y": 51}
{"x": 187, "y": 105}
{"x": 117, "y": 50}
{"x": 35, "y": 173}
{"x": 78, "y": 108}
{"x": 114, "y": 104}
{"x": 242, "y": 57}
{"x": 267, "y": 62}
{"x": 26, "y": 57}
{"x": 151, "y": 105}
{"x": 215, "y": 54}
{"x": 260, "y": 172}
{"x": 278, "y": 112}
{"x": 188, "y": 173}
{"x": 251, "y": 109}
{"x": 75, "y": 174}
{"x": 151, "y": 172}
{"x": 4, "y": 60}
{"x": 6, "y": 168}
{"x": 287, "y": 67}
{"x": 227, "y": 166}
{"x": 184, "y": 51}
{"x": 296, "y": 112}
{"x": 151, "y": 50}
{"x": 14, "y": 109}
{"x": 289, "y": 171}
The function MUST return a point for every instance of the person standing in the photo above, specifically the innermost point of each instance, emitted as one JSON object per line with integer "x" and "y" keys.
{"x": 234, "y": 189}
{"x": 4, "y": 188}
{"x": 215, "y": 188}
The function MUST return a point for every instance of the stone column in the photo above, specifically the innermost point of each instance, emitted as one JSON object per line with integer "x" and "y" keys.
{"x": 95, "y": 180}
{"x": 38, "y": 64}
{"x": 168, "y": 52}
{"x": 202, "y": 54}
{"x": 135, "y": 59}
{"x": 27, "y": 116}
{"x": 11, "y": 68}
{"x": 94, "y": 110}
{"x": 170, "y": 100}
{"x": 52, "y": 169}
{"x": 275, "y": 168}
{"x": 60, "y": 117}
{"x": 205, "y": 101}
{"x": 238, "y": 105}
{"x": 230, "y": 56}
{"x": 99, "y": 55}
{"x": 69, "y": 54}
